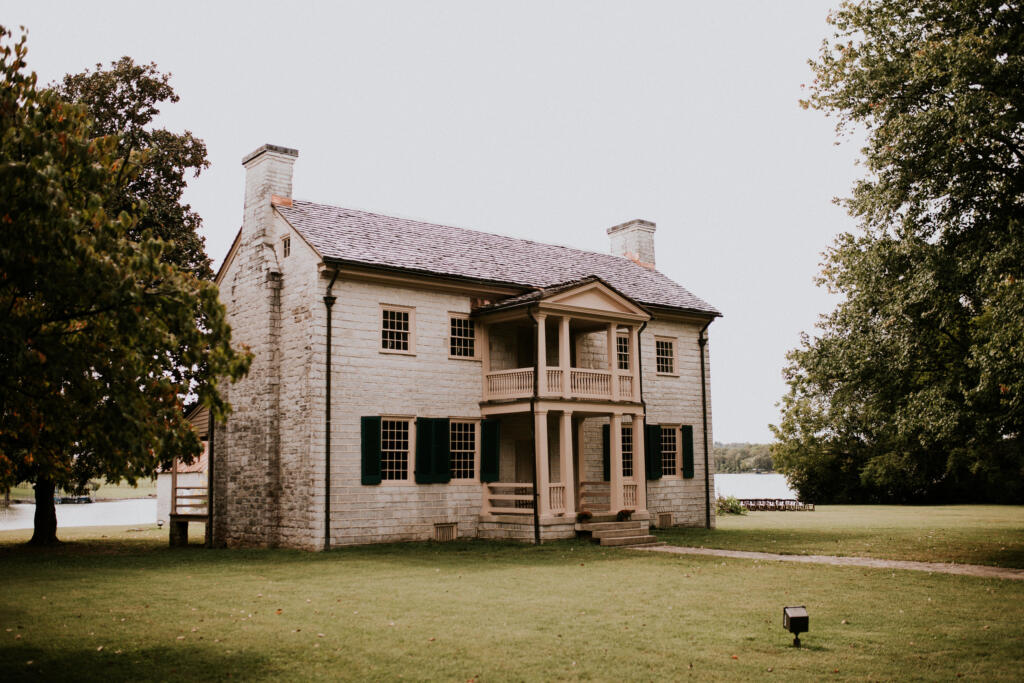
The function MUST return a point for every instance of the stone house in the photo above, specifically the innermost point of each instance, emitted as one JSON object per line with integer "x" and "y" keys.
{"x": 414, "y": 381}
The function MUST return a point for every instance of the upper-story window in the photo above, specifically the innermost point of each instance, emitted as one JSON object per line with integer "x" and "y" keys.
{"x": 665, "y": 355}
{"x": 397, "y": 329}
{"x": 462, "y": 448}
{"x": 669, "y": 450}
{"x": 622, "y": 351}
{"x": 286, "y": 246}
{"x": 394, "y": 449}
{"x": 462, "y": 338}
{"x": 627, "y": 450}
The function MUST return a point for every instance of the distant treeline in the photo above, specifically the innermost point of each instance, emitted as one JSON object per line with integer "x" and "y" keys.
{"x": 731, "y": 458}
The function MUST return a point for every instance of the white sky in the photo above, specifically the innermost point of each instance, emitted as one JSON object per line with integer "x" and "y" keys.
{"x": 543, "y": 120}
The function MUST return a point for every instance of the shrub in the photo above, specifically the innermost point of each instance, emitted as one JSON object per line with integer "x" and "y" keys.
{"x": 730, "y": 506}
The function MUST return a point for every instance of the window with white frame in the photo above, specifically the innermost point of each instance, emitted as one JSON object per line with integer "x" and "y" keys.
{"x": 622, "y": 351}
{"x": 286, "y": 246}
{"x": 462, "y": 339}
{"x": 394, "y": 449}
{"x": 462, "y": 449}
{"x": 669, "y": 450}
{"x": 396, "y": 329}
{"x": 627, "y": 450}
{"x": 665, "y": 356}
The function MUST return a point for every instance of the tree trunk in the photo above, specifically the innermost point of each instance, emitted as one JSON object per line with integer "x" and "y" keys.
{"x": 45, "y": 531}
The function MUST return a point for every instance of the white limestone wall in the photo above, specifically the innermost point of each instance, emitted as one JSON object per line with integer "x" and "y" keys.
{"x": 677, "y": 400}
{"x": 426, "y": 384}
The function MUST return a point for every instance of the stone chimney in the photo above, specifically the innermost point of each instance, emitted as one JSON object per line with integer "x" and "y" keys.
{"x": 268, "y": 178}
{"x": 634, "y": 240}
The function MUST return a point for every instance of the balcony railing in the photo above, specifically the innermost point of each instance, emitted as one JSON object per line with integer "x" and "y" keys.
{"x": 591, "y": 384}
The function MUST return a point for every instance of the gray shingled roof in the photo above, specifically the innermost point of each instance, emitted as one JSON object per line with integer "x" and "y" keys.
{"x": 367, "y": 238}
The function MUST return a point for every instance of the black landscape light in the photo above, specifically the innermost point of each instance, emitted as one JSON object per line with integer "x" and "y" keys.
{"x": 795, "y": 620}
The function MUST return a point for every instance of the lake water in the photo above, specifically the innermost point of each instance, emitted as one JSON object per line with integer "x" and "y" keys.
{"x": 141, "y": 511}
{"x": 753, "y": 486}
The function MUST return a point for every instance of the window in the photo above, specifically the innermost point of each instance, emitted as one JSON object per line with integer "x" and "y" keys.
{"x": 463, "y": 450}
{"x": 462, "y": 342}
{"x": 665, "y": 356}
{"x": 394, "y": 450}
{"x": 622, "y": 351}
{"x": 286, "y": 246}
{"x": 669, "y": 449}
{"x": 397, "y": 329}
{"x": 627, "y": 451}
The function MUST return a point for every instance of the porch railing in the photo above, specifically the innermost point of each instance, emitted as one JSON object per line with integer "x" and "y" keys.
{"x": 517, "y": 383}
{"x": 591, "y": 383}
{"x": 189, "y": 500}
{"x": 556, "y": 498}
{"x": 508, "y": 498}
{"x": 629, "y": 496}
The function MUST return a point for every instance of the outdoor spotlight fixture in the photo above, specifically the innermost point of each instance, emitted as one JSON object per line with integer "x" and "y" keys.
{"x": 159, "y": 524}
{"x": 794, "y": 620}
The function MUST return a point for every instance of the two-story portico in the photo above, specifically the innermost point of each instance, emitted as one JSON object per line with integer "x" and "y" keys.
{"x": 563, "y": 357}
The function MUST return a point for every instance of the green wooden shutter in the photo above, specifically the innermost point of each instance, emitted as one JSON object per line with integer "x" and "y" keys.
{"x": 687, "y": 433}
{"x": 442, "y": 452}
{"x": 371, "y": 449}
{"x": 490, "y": 450}
{"x": 424, "y": 468}
{"x": 606, "y": 451}
{"x": 652, "y": 450}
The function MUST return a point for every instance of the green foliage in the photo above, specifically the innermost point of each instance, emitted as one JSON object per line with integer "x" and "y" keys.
{"x": 732, "y": 458}
{"x": 98, "y": 336}
{"x": 914, "y": 388}
{"x": 730, "y": 506}
{"x": 122, "y": 101}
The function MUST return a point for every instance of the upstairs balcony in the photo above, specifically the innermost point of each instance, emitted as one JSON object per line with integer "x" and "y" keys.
{"x": 585, "y": 335}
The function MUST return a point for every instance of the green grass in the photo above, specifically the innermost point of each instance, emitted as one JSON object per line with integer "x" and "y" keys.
{"x": 457, "y": 611}
{"x": 967, "y": 534}
{"x": 146, "y": 488}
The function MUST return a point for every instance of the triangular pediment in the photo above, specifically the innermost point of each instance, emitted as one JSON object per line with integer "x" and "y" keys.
{"x": 594, "y": 296}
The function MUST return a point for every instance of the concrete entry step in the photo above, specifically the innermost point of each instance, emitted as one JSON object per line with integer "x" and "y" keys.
{"x": 602, "y": 534}
{"x": 604, "y": 526}
{"x": 643, "y": 540}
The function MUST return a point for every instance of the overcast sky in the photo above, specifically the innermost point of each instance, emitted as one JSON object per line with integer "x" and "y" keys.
{"x": 543, "y": 120}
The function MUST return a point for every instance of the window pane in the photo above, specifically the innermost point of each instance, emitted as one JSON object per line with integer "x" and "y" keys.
{"x": 394, "y": 330}
{"x": 665, "y": 355}
{"x": 463, "y": 449}
{"x": 627, "y": 451}
{"x": 463, "y": 338}
{"x": 622, "y": 352}
{"x": 394, "y": 449}
{"x": 668, "y": 450}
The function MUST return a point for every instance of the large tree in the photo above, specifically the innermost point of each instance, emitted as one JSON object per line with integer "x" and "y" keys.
{"x": 98, "y": 336}
{"x": 123, "y": 100}
{"x": 913, "y": 388}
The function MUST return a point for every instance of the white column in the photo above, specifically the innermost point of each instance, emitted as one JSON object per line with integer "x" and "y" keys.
{"x": 613, "y": 361}
{"x": 563, "y": 355}
{"x": 542, "y": 356}
{"x": 639, "y": 462}
{"x": 581, "y": 447}
{"x": 540, "y": 447}
{"x": 565, "y": 462}
{"x": 615, "y": 446}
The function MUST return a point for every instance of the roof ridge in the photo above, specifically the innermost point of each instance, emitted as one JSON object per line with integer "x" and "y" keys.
{"x": 472, "y": 230}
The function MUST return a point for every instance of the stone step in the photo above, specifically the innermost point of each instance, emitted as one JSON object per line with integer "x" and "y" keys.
{"x": 604, "y": 526}
{"x": 645, "y": 539}
{"x": 613, "y": 533}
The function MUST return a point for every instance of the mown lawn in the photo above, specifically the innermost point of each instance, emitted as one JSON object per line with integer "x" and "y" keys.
{"x": 967, "y": 534}
{"x": 128, "y": 607}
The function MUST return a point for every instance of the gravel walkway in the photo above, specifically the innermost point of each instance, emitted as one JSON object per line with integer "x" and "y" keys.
{"x": 874, "y": 563}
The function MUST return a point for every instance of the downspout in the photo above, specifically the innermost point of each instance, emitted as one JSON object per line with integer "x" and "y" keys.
{"x": 643, "y": 403}
{"x": 209, "y": 481}
{"x": 702, "y": 342}
{"x": 533, "y": 427}
{"x": 329, "y": 300}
